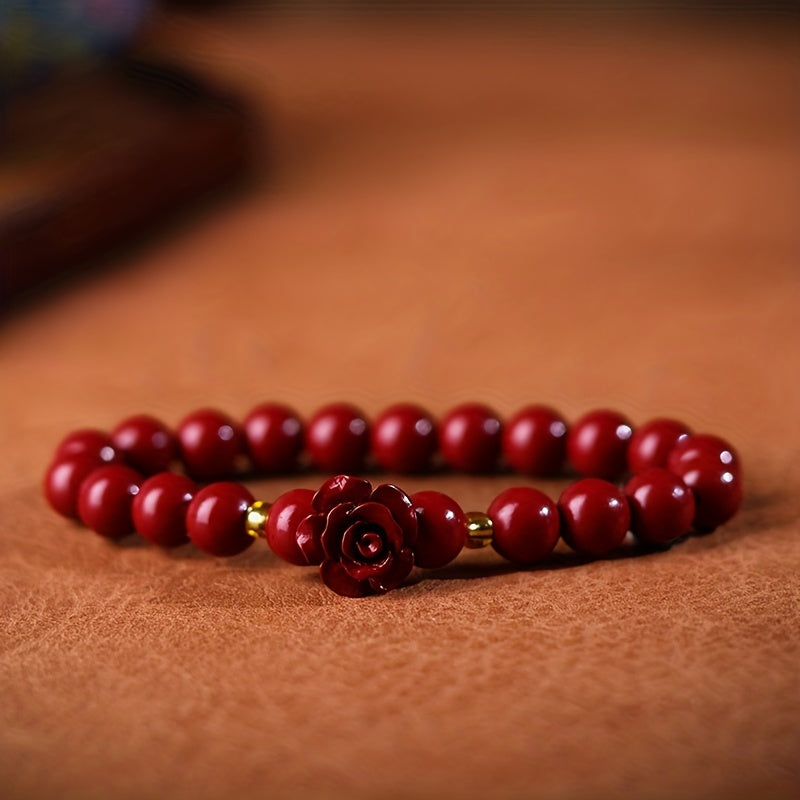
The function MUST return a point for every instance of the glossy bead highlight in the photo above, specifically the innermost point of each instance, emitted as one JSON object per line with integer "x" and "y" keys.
{"x": 63, "y": 479}
{"x": 159, "y": 509}
{"x": 597, "y": 444}
{"x": 404, "y": 439}
{"x": 441, "y": 529}
{"x": 274, "y": 436}
{"x": 105, "y": 499}
{"x": 145, "y": 443}
{"x": 88, "y": 442}
{"x": 337, "y": 439}
{"x": 594, "y": 517}
{"x": 285, "y": 514}
{"x": 215, "y": 519}
{"x": 652, "y": 443}
{"x": 470, "y": 438}
{"x": 701, "y": 449}
{"x": 210, "y": 443}
{"x": 717, "y": 494}
{"x": 525, "y": 524}
{"x": 535, "y": 441}
{"x": 662, "y": 506}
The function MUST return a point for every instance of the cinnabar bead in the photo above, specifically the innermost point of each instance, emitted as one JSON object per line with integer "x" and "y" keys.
{"x": 285, "y": 514}
{"x": 88, "y": 442}
{"x": 703, "y": 448}
{"x": 525, "y": 525}
{"x": 717, "y": 494}
{"x": 535, "y": 441}
{"x": 662, "y": 506}
{"x": 210, "y": 443}
{"x": 145, "y": 443}
{"x": 105, "y": 499}
{"x": 470, "y": 437}
{"x": 337, "y": 439}
{"x": 215, "y": 519}
{"x": 651, "y": 444}
{"x": 441, "y": 529}
{"x": 159, "y": 509}
{"x": 404, "y": 439}
{"x": 63, "y": 479}
{"x": 594, "y": 516}
{"x": 274, "y": 436}
{"x": 597, "y": 444}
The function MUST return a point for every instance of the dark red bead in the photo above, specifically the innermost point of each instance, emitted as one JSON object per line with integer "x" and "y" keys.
{"x": 88, "y": 442}
{"x": 594, "y": 516}
{"x": 717, "y": 494}
{"x": 63, "y": 479}
{"x": 337, "y": 439}
{"x": 535, "y": 441}
{"x": 597, "y": 444}
{"x": 216, "y": 517}
{"x": 441, "y": 529}
{"x": 404, "y": 439}
{"x": 703, "y": 448}
{"x": 651, "y": 444}
{"x": 470, "y": 438}
{"x": 274, "y": 435}
{"x": 285, "y": 514}
{"x": 145, "y": 443}
{"x": 159, "y": 509}
{"x": 662, "y": 506}
{"x": 525, "y": 525}
{"x": 210, "y": 443}
{"x": 105, "y": 499}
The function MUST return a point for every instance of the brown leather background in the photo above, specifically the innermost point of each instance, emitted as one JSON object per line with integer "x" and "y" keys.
{"x": 587, "y": 215}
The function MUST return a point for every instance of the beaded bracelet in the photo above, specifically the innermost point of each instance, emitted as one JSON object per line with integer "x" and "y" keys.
{"x": 367, "y": 540}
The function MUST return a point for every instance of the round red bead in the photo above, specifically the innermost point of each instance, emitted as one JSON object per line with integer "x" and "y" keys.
{"x": 441, "y": 529}
{"x": 662, "y": 506}
{"x": 210, "y": 443}
{"x": 105, "y": 499}
{"x": 337, "y": 439}
{"x": 274, "y": 435}
{"x": 594, "y": 516}
{"x": 525, "y": 525}
{"x": 285, "y": 514}
{"x": 145, "y": 443}
{"x": 215, "y": 519}
{"x": 597, "y": 444}
{"x": 404, "y": 439}
{"x": 535, "y": 441}
{"x": 470, "y": 438}
{"x": 159, "y": 509}
{"x": 88, "y": 442}
{"x": 63, "y": 479}
{"x": 651, "y": 444}
{"x": 717, "y": 494}
{"x": 703, "y": 449}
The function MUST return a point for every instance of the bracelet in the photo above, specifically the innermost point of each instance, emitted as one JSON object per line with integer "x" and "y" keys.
{"x": 366, "y": 539}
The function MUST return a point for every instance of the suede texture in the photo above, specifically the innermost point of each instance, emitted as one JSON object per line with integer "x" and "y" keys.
{"x": 584, "y": 215}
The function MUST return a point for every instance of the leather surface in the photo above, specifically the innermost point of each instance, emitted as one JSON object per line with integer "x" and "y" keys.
{"x": 586, "y": 216}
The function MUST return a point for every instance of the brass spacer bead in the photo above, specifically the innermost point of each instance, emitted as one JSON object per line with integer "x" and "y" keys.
{"x": 479, "y": 530}
{"x": 257, "y": 516}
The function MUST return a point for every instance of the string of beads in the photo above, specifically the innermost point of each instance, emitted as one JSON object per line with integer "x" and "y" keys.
{"x": 659, "y": 481}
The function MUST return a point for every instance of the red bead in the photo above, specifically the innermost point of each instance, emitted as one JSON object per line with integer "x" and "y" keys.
{"x": 525, "y": 525}
{"x": 662, "y": 506}
{"x": 597, "y": 444}
{"x": 535, "y": 441}
{"x": 703, "y": 448}
{"x": 651, "y": 444}
{"x": 285, "y": 514}
{"x": 594, "y": 516}
{"x": 63, "y": 479}
{"x": 210, "y": 443}
{"x": 338, "y": 439}
{"x": 105, "y": 499}
{"x": 159, "y": 509}
{"x": 441, "y": 529}
{"x": 145, "y": 443}
{"x": 470, "y": 438}
{"x": 215, "y": 519}
{"x": 717, "y": 494}
{"x": 404, "y": 439}
{"x": 88, "y": 442}
{"x": 274, "y": 435}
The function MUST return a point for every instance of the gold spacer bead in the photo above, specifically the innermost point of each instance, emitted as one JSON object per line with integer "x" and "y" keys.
{"x": 257, "y": 516}
{"x": 479, "y": 530}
